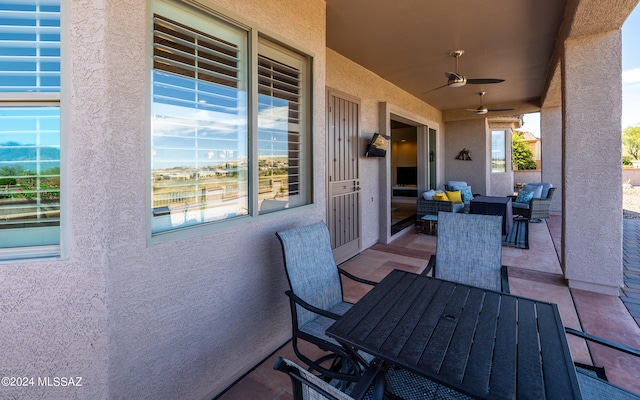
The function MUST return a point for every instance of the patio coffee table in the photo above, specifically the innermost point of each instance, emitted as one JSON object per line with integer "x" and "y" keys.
{"x": 483, "y": 343}
{"x": 494, "y": 205}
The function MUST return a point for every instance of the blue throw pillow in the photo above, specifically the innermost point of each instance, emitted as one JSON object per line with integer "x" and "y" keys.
{"x": 524, "y": 197}
{"x": 465, "y": 191}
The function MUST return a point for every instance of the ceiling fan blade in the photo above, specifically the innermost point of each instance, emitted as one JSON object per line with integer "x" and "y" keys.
{"x": 483, "y": 81}
{"x": 453, "y": 75}
{"x": 434, "y": 89}
{"x": 501, "y": 109}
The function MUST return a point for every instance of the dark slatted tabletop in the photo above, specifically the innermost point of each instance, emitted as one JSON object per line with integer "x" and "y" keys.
{"x": 494, "y": 205}
{"x": 483, "y": 343}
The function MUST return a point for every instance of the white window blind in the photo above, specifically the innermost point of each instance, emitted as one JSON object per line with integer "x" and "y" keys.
{"x": 279, "y": 133}
{"x": 30, "y": 46}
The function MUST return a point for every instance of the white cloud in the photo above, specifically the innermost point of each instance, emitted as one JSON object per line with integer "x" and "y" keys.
{"x": 631, "y": 76}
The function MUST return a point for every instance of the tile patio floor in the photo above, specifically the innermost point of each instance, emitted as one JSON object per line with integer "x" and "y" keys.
{"x": 533, "y": 273}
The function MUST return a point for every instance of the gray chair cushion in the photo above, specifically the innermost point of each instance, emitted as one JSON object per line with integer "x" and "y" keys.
{"x": 536, "y": 188}
{"x": 319, "y": 325}
{"x": 452, "y": 184}
{"x": 545, "y": 189}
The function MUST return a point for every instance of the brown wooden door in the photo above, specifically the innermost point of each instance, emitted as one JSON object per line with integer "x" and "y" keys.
{"x": 343, "y": 214}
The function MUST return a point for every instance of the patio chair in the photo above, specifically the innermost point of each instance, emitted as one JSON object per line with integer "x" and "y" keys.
{"x": 307, "y": 386}
{"x": 469, "y": 251}
{"x": 537, "y": 208}
{"x": 377, "y": 382}
{"x": 316, "y": 298}
{"x": 593, "y": 384}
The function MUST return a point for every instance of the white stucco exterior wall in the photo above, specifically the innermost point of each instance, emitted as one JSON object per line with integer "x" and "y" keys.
{"x": 182, "y": 319}
{"x": 592, "y": 230}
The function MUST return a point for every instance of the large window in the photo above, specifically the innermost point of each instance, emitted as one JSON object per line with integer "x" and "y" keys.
{"x": 498, "y": 151}
{"x": 221, "y": 151}
{"x": 29, "y": 128}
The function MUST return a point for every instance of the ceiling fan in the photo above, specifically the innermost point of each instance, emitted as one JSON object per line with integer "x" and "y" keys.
{"x": 483, "y": 110}
{"x": 455, "y": 79}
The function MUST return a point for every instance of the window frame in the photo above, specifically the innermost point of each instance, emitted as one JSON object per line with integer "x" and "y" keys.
{"x": 503, "y": 149}
{"x": 56, "y": 99}
{"x": 256, "y": 37}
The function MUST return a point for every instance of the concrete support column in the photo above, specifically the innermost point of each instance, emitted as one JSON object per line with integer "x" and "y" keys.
{"x": 551, "y": 153}
{"x": 592, "y": 201}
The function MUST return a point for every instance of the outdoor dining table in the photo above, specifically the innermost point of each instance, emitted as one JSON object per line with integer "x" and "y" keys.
{"x": 482, "y": 343}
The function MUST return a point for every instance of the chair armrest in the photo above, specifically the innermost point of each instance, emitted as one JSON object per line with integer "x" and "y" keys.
{"x": 311, "y": 308}
{"x": 504, "y": 279}
{"x": 540, "y": 201}
{"x": 604, "y": 342}
{"x": 373, "y": 376}
{"x": 355, "y": 278}
{"x": 430, "y": 266}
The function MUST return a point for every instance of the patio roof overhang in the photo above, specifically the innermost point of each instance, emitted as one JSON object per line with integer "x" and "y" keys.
{"x": 408, "y": 43}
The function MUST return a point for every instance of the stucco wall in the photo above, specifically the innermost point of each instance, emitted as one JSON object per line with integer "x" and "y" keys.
{"x": 592, "y": 232}
{"x": 471, "y": 135}
{"x": 178, "y": 320}
{"x": 551, "y": 143}
{"x": 55, "y": 313}
{"x": 352, "y": 79}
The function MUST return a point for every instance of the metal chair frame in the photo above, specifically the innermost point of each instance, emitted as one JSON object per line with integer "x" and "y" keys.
{"x": 343, "y": 364}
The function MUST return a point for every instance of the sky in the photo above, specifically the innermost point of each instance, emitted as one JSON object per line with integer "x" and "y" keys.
{"x": 631, "y": 70}
{"x": 630, "y": 78}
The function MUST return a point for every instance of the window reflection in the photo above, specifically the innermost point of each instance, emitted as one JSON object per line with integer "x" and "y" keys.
{"x": 199, "y": 128}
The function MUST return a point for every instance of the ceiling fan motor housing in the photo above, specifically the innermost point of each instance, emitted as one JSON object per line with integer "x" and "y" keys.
{"x": 456, "y": 80}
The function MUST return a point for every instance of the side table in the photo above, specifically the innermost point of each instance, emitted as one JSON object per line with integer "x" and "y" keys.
{"x": 429, "y": 224}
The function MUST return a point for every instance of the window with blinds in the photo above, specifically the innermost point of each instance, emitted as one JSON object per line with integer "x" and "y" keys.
{"x": 279, "y": 131}
{"x": 209, "y": 162}
{"x": 199, "y": 123}
{"x": 29, "y": 134}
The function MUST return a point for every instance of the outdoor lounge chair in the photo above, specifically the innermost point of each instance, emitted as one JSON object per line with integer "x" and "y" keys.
{"x": 537, "y": 208}
{"x": 307, "y": 386}
{"x": 469, "y": 251}
{"x": 316, "y": 298}
{"x": 592, "y": 384}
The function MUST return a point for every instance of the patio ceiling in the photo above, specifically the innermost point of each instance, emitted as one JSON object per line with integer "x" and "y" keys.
{"x": 407, "y": 42}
